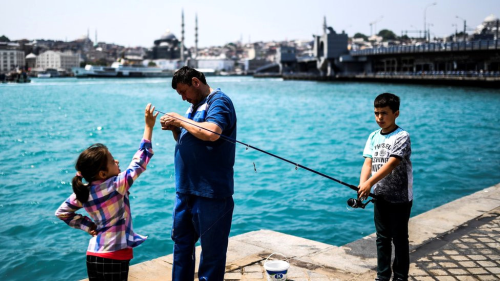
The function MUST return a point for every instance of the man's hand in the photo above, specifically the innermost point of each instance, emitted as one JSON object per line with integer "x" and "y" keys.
{"x": 170, "y": 121}
{"x": 168, "y": 127}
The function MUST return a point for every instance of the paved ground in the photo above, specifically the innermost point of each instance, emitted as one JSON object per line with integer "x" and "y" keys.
{"x": 472, "y": 252}
{"x": 457, "y": 241}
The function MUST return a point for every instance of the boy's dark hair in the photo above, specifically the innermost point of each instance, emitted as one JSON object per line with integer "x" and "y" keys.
{"x": 185, "y": 74}
{"x": 387, "y": 99}
{"x": 90, "y": 162}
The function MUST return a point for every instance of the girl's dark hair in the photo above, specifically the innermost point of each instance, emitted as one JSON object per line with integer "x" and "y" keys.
{"x": 90, "y": 162}
{"x": 185, "y": 75}
{"x": 387, "y": 99}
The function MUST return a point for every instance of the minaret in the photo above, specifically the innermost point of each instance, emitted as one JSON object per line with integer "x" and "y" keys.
{"x": 196, "y": 37}
{"x": 182, "y": 38}
{"x": 324, "y": 25}
{"x": 95, "y": 37}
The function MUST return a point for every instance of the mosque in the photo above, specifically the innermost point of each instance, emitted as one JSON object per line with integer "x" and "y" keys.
{"x": 166, "y": 47}
{"x": 488, "y": 29}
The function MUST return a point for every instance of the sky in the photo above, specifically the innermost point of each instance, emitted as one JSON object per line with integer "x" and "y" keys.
{"x": 138, "y": 23}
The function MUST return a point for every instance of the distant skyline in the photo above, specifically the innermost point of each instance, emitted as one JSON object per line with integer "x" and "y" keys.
{"x": 138, "y": 23}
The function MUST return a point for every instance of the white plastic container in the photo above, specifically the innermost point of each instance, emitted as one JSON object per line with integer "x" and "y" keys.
{"x": 276, "y": 270}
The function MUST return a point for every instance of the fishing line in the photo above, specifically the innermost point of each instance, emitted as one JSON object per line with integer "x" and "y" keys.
{"x": 297, "y": 165}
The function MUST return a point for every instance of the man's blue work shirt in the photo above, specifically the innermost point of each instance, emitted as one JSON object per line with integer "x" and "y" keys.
{"x": 205, "y": 168}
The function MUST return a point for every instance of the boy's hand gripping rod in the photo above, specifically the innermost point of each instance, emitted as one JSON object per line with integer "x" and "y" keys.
{"x": 297, "y": 165}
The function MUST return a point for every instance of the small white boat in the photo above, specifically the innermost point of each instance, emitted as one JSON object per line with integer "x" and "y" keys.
{"x": 43, "y": 75}
{"x": 118, "y": 70}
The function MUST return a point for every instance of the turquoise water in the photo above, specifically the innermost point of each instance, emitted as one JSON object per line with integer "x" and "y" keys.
{"x": 44, "y": 125}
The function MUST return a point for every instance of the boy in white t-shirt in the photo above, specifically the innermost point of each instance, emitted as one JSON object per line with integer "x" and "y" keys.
{"x": 387, "y": 168}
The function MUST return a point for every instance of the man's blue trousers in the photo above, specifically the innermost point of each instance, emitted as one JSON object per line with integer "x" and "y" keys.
{"x": 209, "y": 220}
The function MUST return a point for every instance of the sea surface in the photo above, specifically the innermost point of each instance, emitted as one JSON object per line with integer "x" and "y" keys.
{"x": 455, "y": 134}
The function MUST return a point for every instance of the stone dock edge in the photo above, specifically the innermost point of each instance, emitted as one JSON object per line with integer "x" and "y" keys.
{"x": 353, "y": 261}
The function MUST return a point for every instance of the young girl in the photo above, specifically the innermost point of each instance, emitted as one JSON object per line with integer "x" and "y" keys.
{"x": 106, "y": 199}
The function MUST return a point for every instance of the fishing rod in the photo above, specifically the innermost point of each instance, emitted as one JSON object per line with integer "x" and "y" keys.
{"x": 354, "y": 203}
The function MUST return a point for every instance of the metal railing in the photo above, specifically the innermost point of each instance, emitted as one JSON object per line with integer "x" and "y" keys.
{"x": 434, "y": 74}
{"x": 431, "y": 47}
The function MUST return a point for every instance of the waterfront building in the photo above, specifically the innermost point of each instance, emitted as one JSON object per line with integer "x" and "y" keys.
{"x": 250, "y": 53}
{"x": 99, "y": 56}
{"x": 10, "y": 58}
{"x": 164, "y": 64}
{"x": 135, "y": 53}
{"x": 286, "y": 58}
{"x": 220, "y": 63}
{"x": 269, "y": 49}
{"x": 105, "y": 52}
{"x": 25, "y": 45}
{"x": 253, "y": 57}
{"x": 286, "y": 54}
{"x": 251, "y": 65}
{"x": 328, "y": 48}
{"x": 31, "y": 61}
{"x": 359, "y": 44}
{"x": 58, "y": 60}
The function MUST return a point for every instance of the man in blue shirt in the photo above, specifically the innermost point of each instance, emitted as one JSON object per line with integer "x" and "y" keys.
{"x": 203, "y": 176}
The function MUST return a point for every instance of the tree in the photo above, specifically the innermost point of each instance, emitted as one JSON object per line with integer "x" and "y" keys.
{"x": 404, "y": 38}
{"x": 4, "y": 38}
{"x": 151, "y": 64}
{"x": 387, "y": 34}
{"x": 361, "y": 35}
{"x": 102, "y": 62}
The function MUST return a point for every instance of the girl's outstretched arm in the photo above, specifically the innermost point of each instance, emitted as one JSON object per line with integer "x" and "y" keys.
{"x": 141, "y": 158}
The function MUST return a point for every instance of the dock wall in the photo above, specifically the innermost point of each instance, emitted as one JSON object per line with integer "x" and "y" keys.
{"x": 312, "y": 260}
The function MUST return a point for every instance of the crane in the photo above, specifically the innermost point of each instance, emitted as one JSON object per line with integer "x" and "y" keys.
{"x": 375, "y": 23}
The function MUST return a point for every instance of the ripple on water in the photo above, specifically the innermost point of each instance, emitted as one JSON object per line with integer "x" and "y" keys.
{"x": 323, "y": 126}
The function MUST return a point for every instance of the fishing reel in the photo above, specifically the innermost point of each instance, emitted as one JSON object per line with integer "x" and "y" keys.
{"x": 357, "y": 203}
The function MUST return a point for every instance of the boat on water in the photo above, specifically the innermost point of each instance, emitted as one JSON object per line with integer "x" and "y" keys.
{"x": 119, "y": 70}
{"x": 51, "y": 73}
{"x": 43, "y": 75}
{"x": 15, "y": 77}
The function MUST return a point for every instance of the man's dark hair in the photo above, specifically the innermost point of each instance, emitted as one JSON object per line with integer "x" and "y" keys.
{"x": 185, "y": 75}
{"x": 387, "y": 99}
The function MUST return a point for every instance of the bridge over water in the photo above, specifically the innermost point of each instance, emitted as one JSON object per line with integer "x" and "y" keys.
{"x": 455, "y": 58}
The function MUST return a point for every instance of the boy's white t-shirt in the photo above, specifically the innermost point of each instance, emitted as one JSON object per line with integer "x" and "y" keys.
{"x": 396, "y": 187}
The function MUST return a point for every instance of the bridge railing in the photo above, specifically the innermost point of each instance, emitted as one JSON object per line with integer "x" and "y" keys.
{"x": 436, "y": 74}
{"x": 431, "y": 47}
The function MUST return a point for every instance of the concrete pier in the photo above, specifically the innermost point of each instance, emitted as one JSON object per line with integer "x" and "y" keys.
{"x": 457, "y": 241}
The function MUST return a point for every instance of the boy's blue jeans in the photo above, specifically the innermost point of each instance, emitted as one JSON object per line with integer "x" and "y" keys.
{"x": 209, "y": 220}
{"x": 391, "y": 223}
